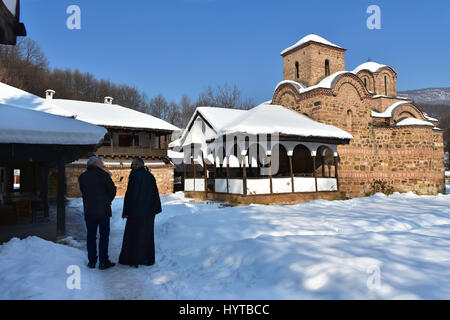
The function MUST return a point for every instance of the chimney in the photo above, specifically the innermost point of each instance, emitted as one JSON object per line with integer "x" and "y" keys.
{"x": 49, "y": 94}
{"x": 109, "y": 100}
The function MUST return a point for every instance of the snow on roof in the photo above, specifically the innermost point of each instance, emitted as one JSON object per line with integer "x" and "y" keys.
{"x": 275, "y": 119}
{"x": 175, "y": 143}
{"x": 388, "y": 112}
{"x": 112, "y": 115}
{"x": 216, "y": 117}
{"x": 16, "y": 97}
{"x": 308, "y": 38}
{"x": 370, "y": 66}
{"x": 20, "y": 125}
{"x": 219, "y": 117}
{"x": 175, "y": 155}
{"x": 428, "y": 117}
{"x": 326, "y": 83}
{"x": 413, "y": 122}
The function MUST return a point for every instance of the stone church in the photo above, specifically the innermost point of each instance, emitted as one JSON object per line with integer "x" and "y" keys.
{"x": 394, "y": 142}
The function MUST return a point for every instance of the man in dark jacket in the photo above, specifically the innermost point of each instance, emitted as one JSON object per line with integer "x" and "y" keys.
{"x": 98, "y": 192}
{"x": 141, "y": 204}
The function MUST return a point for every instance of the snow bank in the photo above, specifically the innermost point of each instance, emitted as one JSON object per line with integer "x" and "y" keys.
{"x": 315, "y": 250}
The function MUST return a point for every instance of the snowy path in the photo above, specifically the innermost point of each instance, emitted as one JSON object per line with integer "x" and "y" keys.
{"x": 368, "y": 248}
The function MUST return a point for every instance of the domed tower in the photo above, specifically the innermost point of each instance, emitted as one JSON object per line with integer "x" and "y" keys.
{"x": 312, "y": 59}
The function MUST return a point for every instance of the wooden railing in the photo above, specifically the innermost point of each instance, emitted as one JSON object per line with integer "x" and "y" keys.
{"x": 106, "y": 151}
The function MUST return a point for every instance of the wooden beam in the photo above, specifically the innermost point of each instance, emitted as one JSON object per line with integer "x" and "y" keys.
{"x": 244, "y": 176}
{"x": 61, "y": 208}
{"x": 228, "y": 174}
{"x": 315, "y": 173}
{"x": 336, "y": 160}
{"x": 292, "y": 173}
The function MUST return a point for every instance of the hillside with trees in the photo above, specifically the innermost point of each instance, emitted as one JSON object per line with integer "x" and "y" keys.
{"x": 26, "y": 66}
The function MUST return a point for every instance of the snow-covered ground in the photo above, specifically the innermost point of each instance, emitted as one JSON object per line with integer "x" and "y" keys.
{"x": 382, "y": 247}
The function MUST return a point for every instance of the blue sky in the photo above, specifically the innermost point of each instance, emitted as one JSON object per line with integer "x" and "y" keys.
{"x": 182, "y": 46}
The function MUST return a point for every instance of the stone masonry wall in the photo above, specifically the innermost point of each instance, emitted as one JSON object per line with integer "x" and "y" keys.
{"x": 164, "y": 176}
{"x": 407, "y": 158}
{"x": 311, "y": 61}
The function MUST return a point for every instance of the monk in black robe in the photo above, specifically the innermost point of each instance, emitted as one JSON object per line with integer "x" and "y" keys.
{"x": 141, "y": 205}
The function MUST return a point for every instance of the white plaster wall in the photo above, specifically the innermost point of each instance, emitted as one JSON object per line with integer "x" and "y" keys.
{"x": 236, "y": 186}
{"x": 199, "y": 184}
{"x": 221, "y": 185}
{"x": 258, "y": 186}
{"x": 189, "y": 185}
{"x": 326, "y": 184}
{"x": 281, "y": 185}
{"x": 304, "y": 184}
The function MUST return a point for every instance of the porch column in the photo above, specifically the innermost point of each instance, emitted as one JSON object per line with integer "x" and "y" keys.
{"x": 270, "y": 176}
{"x": 291, "y": 169}
{"x": 111, "y": 141}
{"x": 336, "y": 160}
{"x": 44, "y": 190}
{"x": 195, "y": 171}
{"x": 205, "y": 178}
{"x": 313, "y": 155}
{"x": 215, "y": 175}
{"x": 228, "y": 174}
{"x": 323, "y": 166}
{"x": 244, "y": 175}
{"x": 61, "y": 208}
{"x": 184, "y": 172}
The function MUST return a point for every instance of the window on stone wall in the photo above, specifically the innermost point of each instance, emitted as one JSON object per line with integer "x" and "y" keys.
{"x": 385, "y": 86}
{"x": 365, "y": 82}
{"x": 349, "y": 120}
{"x": 297, "y": 70}
{"x": 327, "y": 68}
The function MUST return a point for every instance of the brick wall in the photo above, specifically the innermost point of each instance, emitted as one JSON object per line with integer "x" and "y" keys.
{"x": 119, "y": 174}
{"x": 311, "y": 59}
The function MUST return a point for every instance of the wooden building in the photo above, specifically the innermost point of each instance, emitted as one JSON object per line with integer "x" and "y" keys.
{"x": 129, "y": 134}
{"x": 36, "y": 142}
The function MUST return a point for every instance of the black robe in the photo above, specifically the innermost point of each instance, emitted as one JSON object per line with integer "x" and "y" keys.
{"x": 141, "y": 204}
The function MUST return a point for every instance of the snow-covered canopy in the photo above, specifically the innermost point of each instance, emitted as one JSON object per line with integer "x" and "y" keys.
{"x": 112, "y": 115}
{"x": 370, "y": 66}
{"x": 413, "y": 122}
{"x": 308, "y": 38}
{"x": 16, "y": 97}
{"x": 275, "y": 119}
{"x": 20, "y": 125}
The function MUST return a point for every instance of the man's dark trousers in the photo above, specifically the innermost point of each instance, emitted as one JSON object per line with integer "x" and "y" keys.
{"x": 92, "y": 226}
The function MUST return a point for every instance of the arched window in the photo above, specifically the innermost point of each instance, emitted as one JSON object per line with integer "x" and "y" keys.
{"x": 385, "y": 86}
{"x": 327, "y": 68}
{"x": 349, "y": 120}
{"x": 297, "y": 70}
